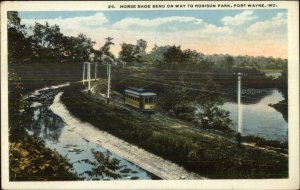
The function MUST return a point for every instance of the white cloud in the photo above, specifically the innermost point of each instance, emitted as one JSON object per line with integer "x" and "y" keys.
{"x": 187, "y": 31}
{"x": 175, "y": 26}
{"x": 239, "y": 18}
{"x": 273, "y": 28}
{"x": 72, "y": 26}
{"x": 173, "y": 23}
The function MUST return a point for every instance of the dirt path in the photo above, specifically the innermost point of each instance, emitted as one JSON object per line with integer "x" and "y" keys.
{"x": 148, "y": 161}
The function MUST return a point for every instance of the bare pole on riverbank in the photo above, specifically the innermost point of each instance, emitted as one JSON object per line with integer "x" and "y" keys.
{"x": 240, "y": 111}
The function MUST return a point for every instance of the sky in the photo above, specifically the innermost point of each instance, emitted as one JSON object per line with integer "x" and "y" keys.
{"x": 234, "y": 32}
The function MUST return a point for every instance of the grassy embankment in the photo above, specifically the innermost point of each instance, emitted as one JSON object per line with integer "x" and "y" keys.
{"x": 210, "y": 157}
{"x": 159, "y": 81}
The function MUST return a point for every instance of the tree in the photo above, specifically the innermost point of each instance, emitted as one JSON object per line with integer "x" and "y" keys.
{"x": 176, "y": 100}
{"x": 77, "y": 48}
{"x": 228, "y": 63}
{"x": 173, "y": 56}
{"x": 18, "y": 44}
{"x": 157, "y": 53}
{"x": 127, "y": 53}
{"x": 134, "y": 53}
{"x": 84, "y": 46}
{"x": 211, "y": 116}
{"x": 105, "y": 49}
{"x": 192, "y": 56}
{"x": 141, "y": 46}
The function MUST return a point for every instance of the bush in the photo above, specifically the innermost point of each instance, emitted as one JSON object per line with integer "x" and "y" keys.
{"x": 208, "y": 156}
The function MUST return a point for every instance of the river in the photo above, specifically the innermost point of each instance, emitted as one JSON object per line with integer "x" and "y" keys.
{"x": 259, "y": 119}
{"x": 62, "y": 138}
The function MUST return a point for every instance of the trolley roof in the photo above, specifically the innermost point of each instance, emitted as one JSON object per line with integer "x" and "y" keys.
{"x": 139, "y": 91}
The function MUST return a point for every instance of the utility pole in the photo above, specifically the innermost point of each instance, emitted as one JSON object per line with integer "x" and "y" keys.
{"x": 83, "y": 73}
{"x": 109, "y": 61}
{"x": 240, "y": 111}
{"x": 123, "y": 64}
{"x": 108, "y": 83}
{"x": 92, "y": 58}
{"x": 95, "y": 70}
{"x": 106, "y": 69}
{"x": 89, "y": 75}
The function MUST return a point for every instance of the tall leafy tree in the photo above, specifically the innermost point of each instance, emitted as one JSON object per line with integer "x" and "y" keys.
{"x": 141, "y": 46}
{"x": 131, "y": 53}
{"x": 127, "y": 53}
{"x": 173, "y": 56}
{"x": 105, "y": 49}
{"x": 18, "y": 44}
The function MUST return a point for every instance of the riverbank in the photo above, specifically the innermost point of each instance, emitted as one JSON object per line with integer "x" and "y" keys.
{"x": 282, "y": 107}
{"x": 196, "y": 151}
{"x": 29, "y": 158}
{"x": 150, "y": 162}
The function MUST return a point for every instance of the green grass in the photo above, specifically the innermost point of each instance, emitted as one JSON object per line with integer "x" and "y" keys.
{"x": 213, "y": 158}
{"x": 210, "y": 157}
{"x": 271, "y": 70}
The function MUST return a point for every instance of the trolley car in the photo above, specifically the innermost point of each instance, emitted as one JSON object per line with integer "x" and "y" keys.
{"x": 140, "y": 98}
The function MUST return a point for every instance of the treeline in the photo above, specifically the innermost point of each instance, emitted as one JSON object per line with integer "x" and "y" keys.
{"x": 45, "y": 43}
{"x": 174, "y": 57}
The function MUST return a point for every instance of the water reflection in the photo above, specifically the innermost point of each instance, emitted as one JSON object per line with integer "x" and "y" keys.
{"x": 45, "y": 124}
{"x": 259, "y": 119}
{"x": 248, "y": 95}
{"x": 61, "y": 137}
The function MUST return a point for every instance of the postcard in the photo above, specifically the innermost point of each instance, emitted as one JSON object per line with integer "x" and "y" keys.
{"x": 150, "y": 95}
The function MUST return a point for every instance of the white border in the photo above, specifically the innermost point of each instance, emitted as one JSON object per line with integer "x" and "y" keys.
{"x": 293, "y": 90}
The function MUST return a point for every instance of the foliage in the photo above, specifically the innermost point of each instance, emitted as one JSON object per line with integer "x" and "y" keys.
{"x": 246, "y": 61}
{"x": 46, "y": 43}
{"x": 141, "y": 46}
{"x": 29, "y": 160}
{"x": 173, "y": 56}
{"x": 103, "y": 166}
{"x": 282, "y": 146}
{"x": 127, "y": 53}
{"x": 158, "y": 52}
{"x": 282, "y": 107}
{"x": 176, "y": 100}
{"x": 18, "y": 45}
{"x": 196, "y": 151}
{"x": 132, "y": 54}
{"x": 211, "y": 116}
{"x": 105, "y": 49}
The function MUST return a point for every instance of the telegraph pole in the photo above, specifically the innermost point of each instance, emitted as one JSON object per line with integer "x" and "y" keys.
{"x": 109, "y": 61}
{"x": 240, "y": 111}
{"x": 83, "y": 73}
{"x": 108, "y": 83}
{"x": 95, "y": 70}
{"x": 89, "y": 76}
{"x": 123, "y": 65}
{"x": 92, "y": 58}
